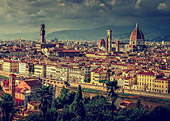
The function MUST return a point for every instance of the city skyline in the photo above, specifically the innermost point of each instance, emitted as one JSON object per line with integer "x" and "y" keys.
{"x": 22, "y": 16}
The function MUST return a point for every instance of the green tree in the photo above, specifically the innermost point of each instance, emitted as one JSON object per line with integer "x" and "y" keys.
{"x": 138, "y": 104}
{"x": 160, "y": 113}
{"x": 51, "y": 115}
{"x": 98, "y": 109}
{"x": 7, "y": 107}
{"x": 45, "y": 96}
{"x": 111, "y": 87}
{"x": 34, "y": 117}
{"x": 77, "y": 107}
{"x": 87, "y": 80}
{"x": 66, "y": 97}
{"x": 133, "y": 114}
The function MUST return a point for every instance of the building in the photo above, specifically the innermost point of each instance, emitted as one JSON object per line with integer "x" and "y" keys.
{"x": 18, "y": 52}
{"x": 109, "y": 40}
{"x": 99, "y": 76}
{"x": 137, "y": 39}
{"x": 76, "y": 74}
{"x": 64, "y": 73}
{"x": 22, "y": 67}
{"x": 162, "y": 85}
{"x": 14, "y": 66}
{"x": 102, "y": 44}
{"x": 42, "y": 34}
{"x": 34, "y": 105}
{"x": 70, "y": 53}
{"x": 146, "y": 81}
{"x": 51, "y": 71}
{"x": 12, "y": 85}
{"x": 136, "y": 43}
{"x": 11, "y": 66}
{"x": 120, "y": 46}
{"x": 6, "y": 65}
{"x": 40, "y": 70}
{"x": 106, "y": 46}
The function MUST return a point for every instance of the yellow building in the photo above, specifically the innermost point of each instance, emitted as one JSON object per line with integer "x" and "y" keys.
{"x": 162, "y": 85}
{"x": 145, "y": 81}
{"x": 99, "y": 76}
{"x": 95, "y": 55}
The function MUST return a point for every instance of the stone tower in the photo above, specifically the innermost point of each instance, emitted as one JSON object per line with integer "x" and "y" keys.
{"x": 109, "y": 40}
{"x": 42, "y": 34}
{"x": 12, "y": 85}
{"x": 117, "y": 45}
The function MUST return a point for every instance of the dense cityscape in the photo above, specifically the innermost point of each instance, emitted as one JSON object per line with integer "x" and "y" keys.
{"x": 84, "y": 60}
{"x": 56, "y": 69}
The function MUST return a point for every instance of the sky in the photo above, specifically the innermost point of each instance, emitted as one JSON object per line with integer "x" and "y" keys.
{"x": 22, "y": 16}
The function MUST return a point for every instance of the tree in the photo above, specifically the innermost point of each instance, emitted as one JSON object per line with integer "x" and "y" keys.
{"x": 77, "y": 107}
{"x": 87, "y": 80}
{"x": 98, "y": 109}
{"x": 133, "y": 114}
{"x": 65, "y": 97}
{"x": 111, "y": 87}
{"x": 45, "y": 96}
{"x": 160, "y": 113}
{"x": 7, "y": 106}
{"x": 51, "y": 115}
{"x": 138, "y": 104}
{"x": 34, "y": 117}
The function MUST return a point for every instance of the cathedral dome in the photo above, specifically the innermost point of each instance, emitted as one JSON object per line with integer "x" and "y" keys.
{"x": 136, "y": 35}
{"x": 102, "y": 43}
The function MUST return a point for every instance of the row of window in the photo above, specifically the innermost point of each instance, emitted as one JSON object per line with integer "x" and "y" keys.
{"x": 160, "y": 86}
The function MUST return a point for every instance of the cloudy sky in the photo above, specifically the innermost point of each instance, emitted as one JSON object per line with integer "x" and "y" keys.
{"x": 20, "y": 16}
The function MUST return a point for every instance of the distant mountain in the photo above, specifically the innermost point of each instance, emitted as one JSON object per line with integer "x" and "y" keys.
{"x": 165, "y": 37}
{"x": 91, "y": 34}
{"x": 26, "y": 36}
{"x": 121, "y": 33}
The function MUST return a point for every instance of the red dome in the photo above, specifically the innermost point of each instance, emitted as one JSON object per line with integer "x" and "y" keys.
{"x": 102, "y": 42}
{"x": 136, "y": 34}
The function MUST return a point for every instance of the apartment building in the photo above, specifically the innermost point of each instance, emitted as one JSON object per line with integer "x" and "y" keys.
{"x": 39, "y": 70}
{"x": 162, "y": 85}
{"x": 6, "y": 66}
{"x": 22, "y": 67}
{"x": 51, "y": 71}
{"x": 146, "y": 81}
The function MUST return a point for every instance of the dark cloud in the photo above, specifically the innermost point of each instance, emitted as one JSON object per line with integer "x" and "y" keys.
{"x": 81, "y": 14}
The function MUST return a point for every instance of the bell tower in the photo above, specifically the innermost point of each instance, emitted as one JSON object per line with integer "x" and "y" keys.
{"x": 42, "y": 34}
{"x": 109, "y": 40}
{"x": 12, "y": 85}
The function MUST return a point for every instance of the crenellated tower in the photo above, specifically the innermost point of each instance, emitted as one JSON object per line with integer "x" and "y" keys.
{"x": 42, "y": 34}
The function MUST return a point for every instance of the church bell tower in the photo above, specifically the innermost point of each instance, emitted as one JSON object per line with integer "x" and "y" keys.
{"x": 12, "y": 85}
